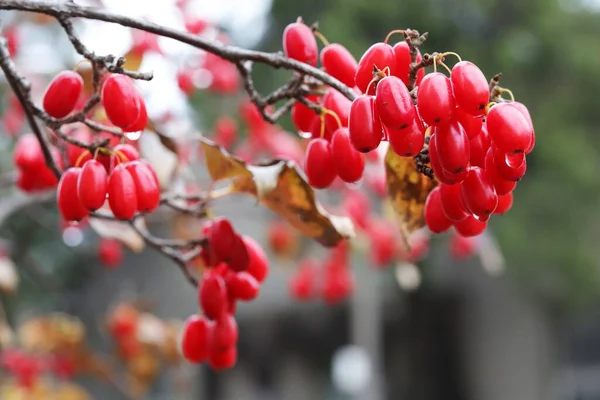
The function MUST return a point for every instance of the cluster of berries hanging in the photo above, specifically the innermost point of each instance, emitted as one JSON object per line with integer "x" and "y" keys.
{"x": 235, "y": 266}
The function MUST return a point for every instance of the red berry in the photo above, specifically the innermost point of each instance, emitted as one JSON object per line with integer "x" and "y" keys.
{"x": 435, "y": 99}
{"x": 319, "y": 164}
{"x": 121, "y": 101}
{"x": 123, "y": 153}
{"x": 394, "y": 103}
{"x": 452, "y": 202}
{"x": 195, "y": 25}
{"x": 408, "y": 142}
{"x": 300, "y": 43}
{"x": 470, "y": 227}
{"x": 501, "y": 185}
{"x": 525, "y": 112}
{"x": 471, "y": 88}
{"x": 471, "y": 124}
{"x": 338, "y": 285}
{"x": 239, "y": 257}
{"x": 505, "y": 203}
{"x": 349, "y": 163}
{"x": 440, "y": 173}
{"x": 195, "y": 344}
{"x": 435, "y": 219}
{"x": 142, "y": 120}
{"x": 452, "y": 147}
{"x": 510, "y": 167}
{"x": 403, "y": 61}
{"x": 358, "y": 207}
{"x": 478, "y": 193}
{"x": 225, "y": 333}
{"x": 462, "y": 247}
{"x": 220, "y": 359}
{"x": 222, "y": 238}
{"x": 212, "y": 295}
{"x": 110, "y": 252}
{"x": 302, "y": 285}
{"x": 380, "y": 55}
{"x": 384, "y": 243}
{"x": 226, "y": 131}
{"x": 303, "y": 117}
{"x": 364, "y": 125}
{"x": 92, "y": 185}
{"x": 259, "y": 265}
{"x": 337, "y": 103}
{"x": 62, "y": 94}
{"x": 28, "y": 153}
{"x": 66, "y": 196}
{"x": 146, "y": 186}
{"x": 509, "y": 129}
{"x": 122, "y": 197}
{"x": 339, "y": 63}
{"x": 479, "y": 146}
{"x": 243, "y": 286}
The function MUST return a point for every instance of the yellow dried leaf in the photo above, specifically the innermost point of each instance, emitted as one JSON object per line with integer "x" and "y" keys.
{"x": 132, "y": 61}
{"x": 407, "y": 190}
{"x": 220, "y": 164}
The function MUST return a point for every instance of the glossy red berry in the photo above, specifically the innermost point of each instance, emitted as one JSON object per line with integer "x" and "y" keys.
{"x": 221, "y": 359}
{"x": 521, "y": 107}
{"x": 259, "y": 264}
{"x": 195, "y": 344}
{"x": 349, "y": 162}
{"x": 121, "y": 101}
{"x": 338, "y": 104}
{"x": 300, "y": 43}
{"x": 243, "y": 286}
{"x": 505, "y": 203}
{"x": 28, "y": 154}
{"x": 452, "y": 145}
{"x": 222, "y": 238}
{"x": 123, "y": 153}
{"x": 509, "y": 129}
{"x": 394, "y": 103}
{"x": 122, "y": 197}
{"x": 339, "y": 63}
{"x": 379, "y": 55}
{"x": 440, "y": 173}
{"x": 435, "y": 98}
{"x": 408, "y": 142}
{"x": 92, "y": 185}
{"x": 435, "y": 219}
{"x": 510, "y": 167}
{"x": 471, "y": 88}
{"x": 142, "y": 120}
{"x": 470, "y": 227}
{"x": 364, "y": 126}
{"x": 146, "y": 186}
{"x": 66, "y": 196}
{"x": 403, "y": 61}
{"x": 302, "y": 116}
{"x": 319, "y": 164}
{"x": 501, "y": 185}
{"x": 478, "y": 193}
{"x": 225, "y": 332}
{"x": 472, "y": 125}
{"x": 212, "y": 295}
{"x": 452, "y": 202}
{"x": 479, "y": 146}
{"x": 62, "y": 94}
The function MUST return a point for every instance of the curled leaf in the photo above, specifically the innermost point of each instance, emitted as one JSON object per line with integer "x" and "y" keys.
{"x": 119, "y": 230}
{"x": 283, "y": 188}
{"x": 407, "y": 190}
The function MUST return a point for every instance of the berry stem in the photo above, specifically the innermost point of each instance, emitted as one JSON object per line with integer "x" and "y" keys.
{"x": 325, "y": 111}
{"x": 490, "y": 105}
{"x": 321, "y": 37}
{"x": 510, "y": 93}
{"x": 81, "y": 157}
{"x": 377, "y": 76}
{"x": 389, "y": 35}
{"x": 450, "y": 53}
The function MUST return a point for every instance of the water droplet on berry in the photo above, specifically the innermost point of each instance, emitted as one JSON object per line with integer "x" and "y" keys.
{"x": 133, "y": 135}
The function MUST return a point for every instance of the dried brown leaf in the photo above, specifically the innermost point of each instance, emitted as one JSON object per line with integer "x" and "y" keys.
{"x": 407, "y": 190}
{"x": 220, "y": 163}
{"x": 133, "y": 61}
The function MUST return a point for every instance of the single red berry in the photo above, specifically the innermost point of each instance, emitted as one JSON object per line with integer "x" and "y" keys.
{"x": 122, "y": 197}
{"x": 302, "y": 116}
{"x": 478, "y": 193}
{"x": 338, "y": 104}
{"x": 28, "y": 154}
{"x": 195, "y": 344}
{"x": 300, "y": 43}
{"x": 339, "y": 63}
{"x": 408, "y": 142}
{"x": 435, "y": 99}
{"x": 92, "y": 185}
{"x": 505, "y": 203}
{"x": 259, "y": 265}
{"x": 509, "y": 129}
{"x": 110, "y": 252}
{"x": 479, "y": 146}
{"x": 195, "y": 25}
{"x": 364, "y": 126}
{"x": 349, "y": 163}
{"x": 380, "y": 56}
{"x": 338, "y": 285}
{"x": 472, "y": 125}
{"x": 243, "y": 286}
{"x": 319, "y": 164}
{"x": 403, "y": 61}
{"x": 123, "y": 153}
{"x": 142, "y": 119}
{"x": 212, "y": 295}
{"x": 302, "y": 285}
{"x": 239, "y": 258}
{"x": 221, "y": 359}
{"x": 222, "y": 238}
{"x": 501, "y": 185}
{"x": 470, "y": 227}
{"x": 510, "y": 167}
{"x": 452, "y": 202}
{"x": 66, "y": 196}
{"x": 62, "y": 94}
{"x": 394, "y": 104}
{"x": 521, "y": 107}
{"x": 453, "y": 149}
{"x": 121, "y": 100}
{"x": 146, "y": 186}
{"x": 440, "y": 173}
{"x": 225, "y": 333}
{"x": 435, "y": 219}
{"x": 471, "y": 88}
{"x": 226, "y": 131}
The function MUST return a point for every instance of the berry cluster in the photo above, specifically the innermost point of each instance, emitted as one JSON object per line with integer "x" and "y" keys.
{"x": 130, "y": 184}
{"x": 235, "y": 267}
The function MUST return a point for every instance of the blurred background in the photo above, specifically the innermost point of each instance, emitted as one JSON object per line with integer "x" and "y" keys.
{"x": 519, "y": 322}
